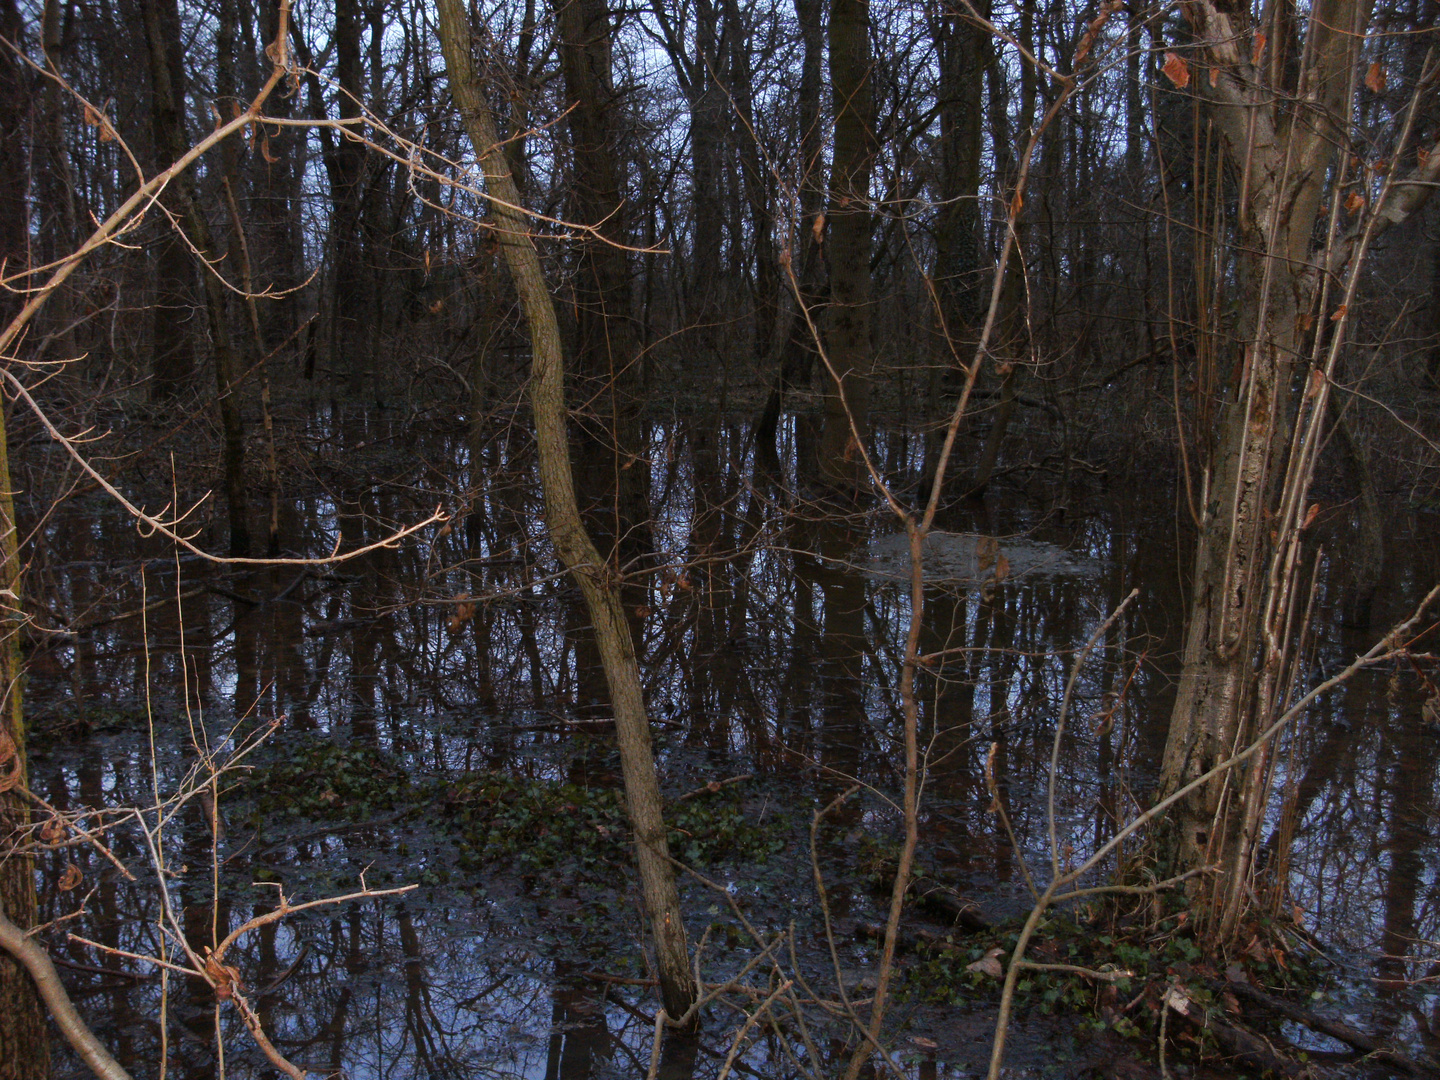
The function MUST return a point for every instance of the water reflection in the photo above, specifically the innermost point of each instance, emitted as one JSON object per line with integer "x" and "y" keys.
{"x": 769, "y": 646}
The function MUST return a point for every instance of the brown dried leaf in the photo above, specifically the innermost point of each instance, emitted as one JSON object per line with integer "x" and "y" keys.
{"x": 817, "y": 228}
{"x": 1214, "y": 77}
{"x": 224, "y": 978}
{"x": 1354, "y": 203}
{"x": 1310, "y": 516}
{"x": 52, "y": 830}
{"x": 70, "y": 878}
{"x": 1002, "y": 567}
{"x": 92, "y": 116}
{"x": 1258, "y": 51}
{"x": 989, "y": 964}
{"x": 1339, "y": 313}
{"x": 437, "y": 307}
{"x": 265, "y": 151}
{"x": 986, "y": 550}
{"x": 1016, "y": 203}
{"x": 1376, "y": 78}
{"x": 464, "y": 612}
{"x": 1176, "y": 70}
{"x": 924, "y": 1043}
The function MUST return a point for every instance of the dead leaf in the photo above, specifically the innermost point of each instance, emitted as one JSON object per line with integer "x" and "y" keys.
{"x": 463, "y": 613}
{"x": 1339, "y": 313}
{"x": 817, "y": 228}
{"x": 1310, "y": 516}
{"x": 1376, "y": 78}
{"x": 92, "y": 116}
{"x": 52, "y": 830}
{"x": 70, "y": 878}
{"x": 1354, "y": 203}
{"x": 1258, "y": 51}
{"x": 989, "y": 964}
{"x": 1317, "y": 380}
{"x": 265, "y": 151}
{"x": 1178, "y": 999}
{"x": 1422, "y": 156}
{"x": 224, "y": 978}
{"x": 1231, "y": 1005}
{"x": 642, "y": 612}
{"x": 1176, "y": 70}
{"x": 1002, "y": 567}
{"x": 986, "y": 550}
{"x": 1016, "y": 203}
{"x": 1214, "y": 77}
{"x": 924, "y": 1043}
{"x": 437, "y": 307}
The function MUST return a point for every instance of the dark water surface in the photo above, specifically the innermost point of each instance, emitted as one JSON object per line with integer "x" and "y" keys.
{"x": 440, "y": 719}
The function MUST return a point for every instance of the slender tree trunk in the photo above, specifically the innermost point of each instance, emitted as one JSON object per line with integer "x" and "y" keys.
{"x": 797, "y": 349}
{"x": 613, "y": 473}
{"x": 847, "y": 397}
{"x": 567, "y": 531}
{"x": 350, "y": 343}
{"x": 759, "y": 196}
{"x": 162, "y": 33}
{"x": 1235, "y": 635}
{"x": 24, "y": 1040}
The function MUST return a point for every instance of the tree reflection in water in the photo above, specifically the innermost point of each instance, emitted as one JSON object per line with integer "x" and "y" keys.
{"x": 768, "y": 648}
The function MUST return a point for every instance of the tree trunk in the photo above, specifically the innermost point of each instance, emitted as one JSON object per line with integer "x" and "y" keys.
{"x": 572, "y": 543}
{"x": 350, "y": 340}
{"x": 1235, "y": 635}
{"x": 847, "y": 397}
{"x": 797, "y": 355}
{"x": 24, "y": 1040}
{"x": 162, "y": 33}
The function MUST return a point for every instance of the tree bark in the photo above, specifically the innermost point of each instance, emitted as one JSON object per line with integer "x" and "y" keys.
{"x": 162, "y": 33}
{"x": 1282, "y": 148}
{"x": 847, "y": 397}
{"x": 24, "y": 1042}
{"x": 572, "y": 543}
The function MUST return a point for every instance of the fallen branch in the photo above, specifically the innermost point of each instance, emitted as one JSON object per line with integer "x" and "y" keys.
{"x": 52, "y": 991}
{"x": 1352, "y": 1037}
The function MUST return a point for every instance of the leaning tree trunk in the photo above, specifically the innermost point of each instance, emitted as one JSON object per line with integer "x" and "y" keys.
{"x": 572, "y": 542}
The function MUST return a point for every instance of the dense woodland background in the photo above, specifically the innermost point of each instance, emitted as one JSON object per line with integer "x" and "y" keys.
{"x": 701, "y": 137}
{"x": 1141, "y": 243}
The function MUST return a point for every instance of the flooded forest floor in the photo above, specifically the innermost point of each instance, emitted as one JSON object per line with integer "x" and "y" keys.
{"x": 433, "y": 714}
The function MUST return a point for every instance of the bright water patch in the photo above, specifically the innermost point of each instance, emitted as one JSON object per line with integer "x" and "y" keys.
{"x": 961, "y": 558}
